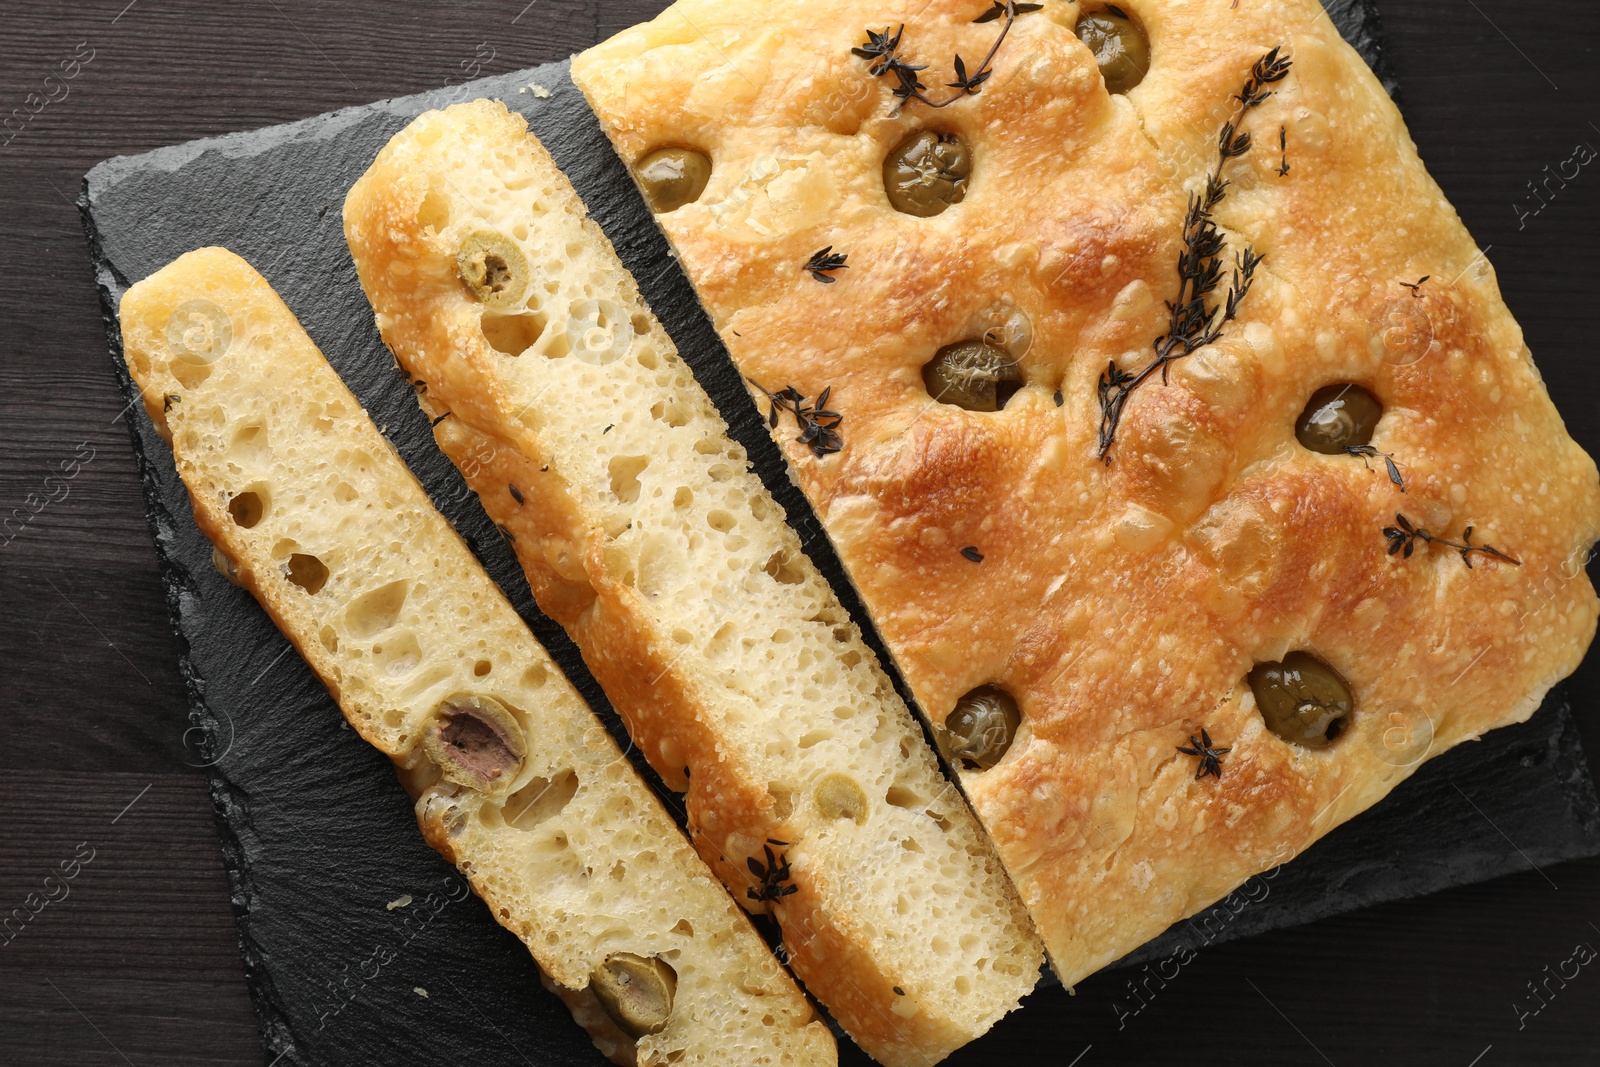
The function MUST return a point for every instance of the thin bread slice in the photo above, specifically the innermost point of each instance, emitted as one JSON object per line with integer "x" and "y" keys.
{"x": 809, "y": 786}
{"x": 515, "y": 780}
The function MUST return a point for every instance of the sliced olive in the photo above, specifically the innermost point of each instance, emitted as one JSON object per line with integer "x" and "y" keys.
{"x": 1119, "y": 44}
{"x": 636, "y": 992}
{"x": 1302, "y": 699}
{"x": 974, "y": 375}
{"x": 926, "y": 173}
{"x": 225, "y": 566}
{"x": 672, "y": 177}
{"x": 1338, "y": 417}
{"x": 839, "y": 796}
{"x": 476, "y": 742}
{"x": 308, "y": 572}
{"x": 494, "y": 267}
{"x": 980, "y": 729}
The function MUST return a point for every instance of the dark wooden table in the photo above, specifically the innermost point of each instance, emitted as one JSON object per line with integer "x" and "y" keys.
{"x": 137, "y": 962}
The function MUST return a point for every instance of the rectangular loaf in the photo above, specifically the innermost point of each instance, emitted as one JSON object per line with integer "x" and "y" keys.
{"x": 515, "y": 780}
{"x": 809, "y": 786}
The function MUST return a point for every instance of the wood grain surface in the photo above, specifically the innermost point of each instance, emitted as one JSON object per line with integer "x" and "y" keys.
{"x": 137, "y": 963}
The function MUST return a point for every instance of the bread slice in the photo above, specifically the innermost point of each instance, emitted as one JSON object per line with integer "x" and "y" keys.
{"x": 810, "y": 788}
{"x": 515, "y": 780}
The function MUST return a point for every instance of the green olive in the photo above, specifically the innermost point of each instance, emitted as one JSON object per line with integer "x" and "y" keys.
{"x": 672, "y": 177}
{"x": 980, "y": 729}
{"x": 1119, "y": 44}
{"x": 926, "y": 173}
{"x": 839, "y": 796}
{"x": 974, "y": 375}
{"x": 494, "y": 267}
{"x": 1338, "y": 417}
{"x": 308, "y": 572}
{"x": 476, "y": 742}
{"x": 225, "y": 566}
{"x": 636, "y": 992}
{"x": 1302, "y": 699}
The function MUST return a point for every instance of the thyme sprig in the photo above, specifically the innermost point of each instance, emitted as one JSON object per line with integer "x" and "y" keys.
{"x": 882, "y": 51}
{"x": 1193, "y": 321}
{"x": 1210, "y": 755}
{"x": 824, "y": 260}
{"x": 1403, "y": 538}
{"x": 819, "y": 427}
{"x": 1366, "y": 452}
{"x": 773, "y": 874}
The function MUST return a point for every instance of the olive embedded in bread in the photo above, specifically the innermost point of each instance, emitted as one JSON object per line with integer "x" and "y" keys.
{"x": 1121, "y": 48}
{"x": 494, "y": 268}
{"x": 974, "y": 375}
{"x": 636, "y": 992}
{"x": 1302, "y": 699}
{"x": 840, "y": 796}
{"x": 672, "y": 177}
{"x": 225, "y": 566}
{"x": 981, "y": 728}
{"x": 476, "y": 742}
{"x": 926, "y": 173}
{"x": 1338, "y": 417}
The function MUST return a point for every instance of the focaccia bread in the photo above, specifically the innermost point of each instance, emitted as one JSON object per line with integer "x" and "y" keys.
{"x": 1029, "y": 501}
{"x": 809, "y": 786}
{"x": 515, "y": 780}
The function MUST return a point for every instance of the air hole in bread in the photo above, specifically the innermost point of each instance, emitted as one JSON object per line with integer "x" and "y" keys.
{"x": 782, "y": 800}
{"x": 307, "y": 571}
{"x": 671, "y": 412}
{"x": 785, "y": 568}
{"x": 721, "y": 521}
{"x": 684, "y": 927}
{"x": 250, "y": 441}
{"x": 374, "y": 612}
{"x": 399, "y": 655}
{"x": 482, "y": 668}
{"x": 815, "y": 737}
{"x": 248, "y": 508}
{"x": 434, "y": 211}
{"x": 903, "y": 797}
{"x": 625, "y": 471}
{"x": 683, "y": 497}
{"x": 329, "y": 638}
{"x": 189, "y": 374}
{"x": 541, "y": 800}
{"x": 512, "y": 332}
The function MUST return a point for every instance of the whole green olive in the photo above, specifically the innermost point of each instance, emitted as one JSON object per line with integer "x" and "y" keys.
{"x": 635, "y": 992}
{"x": 974, "y": 375}
{"x": 926, "y": 173}
{"x": 980, "y": 729}
{"x": 1119, "y": 44}
{"x": 1338, "y": 417}
{"x": 672, "y": 177}
{"x": 476, "y": 742}
{"x": 1302, "y": 699}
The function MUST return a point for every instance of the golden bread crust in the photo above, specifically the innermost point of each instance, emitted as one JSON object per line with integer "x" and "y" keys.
{"x": 1124, "y": 604}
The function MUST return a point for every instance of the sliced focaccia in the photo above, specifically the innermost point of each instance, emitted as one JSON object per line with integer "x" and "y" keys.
{"x": 809, "y": 786}
{"x": 1189, "y": 555}
{"x": 515, "y": 780}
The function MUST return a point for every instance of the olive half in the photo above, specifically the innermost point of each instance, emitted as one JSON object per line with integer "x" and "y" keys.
{"x": 982, "y": 726}
{"x": 1338, "y": 417}
{"x": 494, "y": 267}
{"x": 1119, "y": 44}
{"x": 1302, "y": 699}
{"x": 635, "y": 992}
{"x": 974, "y": 375}
{"x": 476, "y": 742}
{"x": 926, "y": 173}
{"x": 672, "y": 177}
{"x": 839, "y": 796}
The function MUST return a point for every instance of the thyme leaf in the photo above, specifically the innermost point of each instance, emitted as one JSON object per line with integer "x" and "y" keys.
{"x": 773, "y": 874}
{"x": 882, "y": 52}
{"x": 1210, "y": 755}
{"x": 819, "y": 427}
{"x": 1404, "y": 536}
{"x": 1366, "y": 452}
{"x": 825, "y": 260}
{"x": 1193, "y": 321}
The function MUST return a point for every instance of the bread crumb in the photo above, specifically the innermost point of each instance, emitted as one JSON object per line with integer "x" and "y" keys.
{"x": 540, "y": 91}
{"x": 399, "y": 902}
{"x": 419, "y": 991}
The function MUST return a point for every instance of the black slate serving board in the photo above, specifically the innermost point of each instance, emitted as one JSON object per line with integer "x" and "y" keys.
{"x": 317, "y": 835}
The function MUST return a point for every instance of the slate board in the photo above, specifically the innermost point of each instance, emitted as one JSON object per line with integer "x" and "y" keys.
{"x": 318, "y": 836}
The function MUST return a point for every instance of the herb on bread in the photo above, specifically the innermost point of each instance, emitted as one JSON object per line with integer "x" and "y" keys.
{"x": 1416, "y": 286}
{"x": 825, "y": 260}
{"x": 1210, "y": 755}
{"x": 774, "y": 874}
{"x": 1403, "y": 538}
{"x": 971, "y": 552}
{"x": 882, "y": 51}
{"x": 1365, "y": 452}
{"x": 1283, "y": 149}
{"x": 1193, "y": 322}
{"x": 819, "y": 428}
